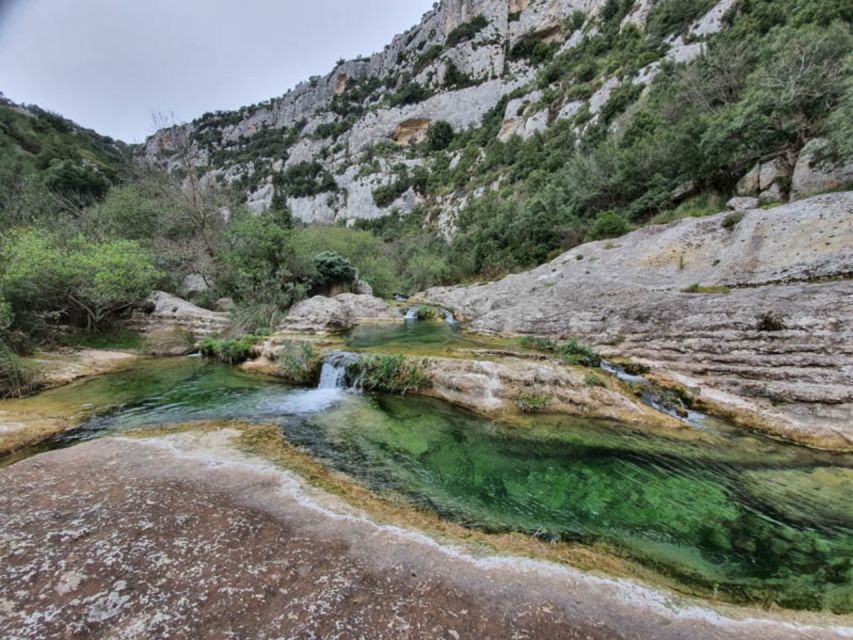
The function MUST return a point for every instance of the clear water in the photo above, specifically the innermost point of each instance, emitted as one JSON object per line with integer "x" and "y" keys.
{"x": 750, "y": 518}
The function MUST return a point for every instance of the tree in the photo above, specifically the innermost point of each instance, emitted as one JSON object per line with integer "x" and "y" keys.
{"x": 259, "y": 262}
{"x": 610, "y": 224}
{"x": 109, "y": 277}
{"x": 439, "y": 135}
{"x": 333, "y": 269}
{"x": 76, "y": 279}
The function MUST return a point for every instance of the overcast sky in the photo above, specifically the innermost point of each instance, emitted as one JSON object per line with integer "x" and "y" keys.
{"x": 110, "y": 64}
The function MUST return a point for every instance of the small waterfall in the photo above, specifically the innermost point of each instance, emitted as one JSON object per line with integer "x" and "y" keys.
{"x": 448, "y": 317}
{"x": 657, "y": 397}
{"x": 412, "y": 313}
{"x": 334, "y": 372}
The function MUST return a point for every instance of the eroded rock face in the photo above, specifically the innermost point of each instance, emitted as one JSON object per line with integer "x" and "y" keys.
{"x": 163, "y": 312}
{"x": 341, "y": 119}
{"x": 339, "y": 313}
{"x": 497, "y": 386}
{"x": 776, "y": 349}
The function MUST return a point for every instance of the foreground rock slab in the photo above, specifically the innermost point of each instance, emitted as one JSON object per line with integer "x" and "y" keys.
{"x": 183, "y": 536}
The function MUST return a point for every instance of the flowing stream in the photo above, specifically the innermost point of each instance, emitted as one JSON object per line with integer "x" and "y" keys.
{"x": 732, "y": 513}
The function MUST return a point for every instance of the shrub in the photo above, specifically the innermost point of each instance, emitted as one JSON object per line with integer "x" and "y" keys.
{"x": 304, "y": 179}
{"x": 15, "y": 379}
{"x": 532, "y": 48}
{"x": 467, "y": 30}
{"x": 571, "y": 352}
{"x": 332, "y": 269}
{"x": 769, "y": 321}
{"x": 593, "y": 380}
{"x": 609, "y": 224}
{"x": 91, "y": 281}
{"x": 392, "y": 373}
{"x": 715, "y": 289}
{"x": 670, "y": 17}
{"x": 732, "y": 220}
{"x": 578, "y": 354}
{"x": 385, "y": 196}
{"x": 231, "y": 351}
{"x": 532, "y": 402}
{"x": 409, "y": 93}
{"x": 300, "y": 363}
{"x": 439, "y": 135}
{"x": 454, "y": 78}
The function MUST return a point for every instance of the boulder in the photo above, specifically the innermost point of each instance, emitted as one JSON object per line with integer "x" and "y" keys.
{"x": 165, "y": 311}
{"x": 743, "y": 204}
{"x": 224, "y": 305}
{"x": 749, "y": 185}
{"x": 169, "y": 341}
{"x": 811, "y": 176}
{"x": 772, "y": 195}
{"x": 339, "y": 313}
{"x": 194, "y": 284}
{"x": 764, "y": 176}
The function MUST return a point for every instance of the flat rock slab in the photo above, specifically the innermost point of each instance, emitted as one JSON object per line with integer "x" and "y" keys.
{"x": 183, "y": 537}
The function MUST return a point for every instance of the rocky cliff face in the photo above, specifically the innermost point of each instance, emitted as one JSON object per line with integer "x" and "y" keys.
{"x": 351, "y": 131}
{"x": 754, "y": 313}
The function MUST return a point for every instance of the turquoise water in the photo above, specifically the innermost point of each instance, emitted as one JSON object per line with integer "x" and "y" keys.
{"x": 738, "y": 514}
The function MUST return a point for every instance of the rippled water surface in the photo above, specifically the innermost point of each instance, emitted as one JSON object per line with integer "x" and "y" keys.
{"x": 748, "y": 517}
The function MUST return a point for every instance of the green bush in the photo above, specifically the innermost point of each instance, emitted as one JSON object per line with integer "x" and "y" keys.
{"x": 467, "y": 30}
{"x": 385, "y": 195}
{"x": 299, "y": 362}
{"x": 578, "y": 354}
{"x": 571, "y": 352}
{"x": 392, "y": 373}
{"x": 610, "y": 224}
{"x": 15, "y": 379}
{"x": 89, "y": 281}
{"x": 332, "y": 269}
{"x": 672, "y": 17}
{"x": 231, "y": 351}
{"x": 409, "y": 93}
{"x": 532, "y": 402}
{"x": 304, "y": 179}
{"x": 440, "y": 135}
{"x": 732, "y": 220}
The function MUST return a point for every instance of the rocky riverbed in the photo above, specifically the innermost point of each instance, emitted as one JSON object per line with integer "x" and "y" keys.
{"x": 183, "y": 535}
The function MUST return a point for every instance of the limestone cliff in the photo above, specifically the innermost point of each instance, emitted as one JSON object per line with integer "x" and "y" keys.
{"x": 351, "y": 131}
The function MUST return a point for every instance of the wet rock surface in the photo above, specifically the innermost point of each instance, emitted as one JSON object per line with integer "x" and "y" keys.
{"x": 185, "y": 537}
{"x": 765, "y": 331}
